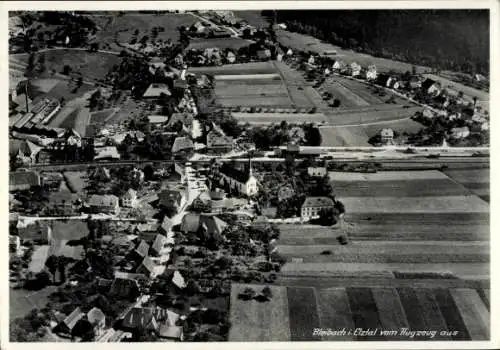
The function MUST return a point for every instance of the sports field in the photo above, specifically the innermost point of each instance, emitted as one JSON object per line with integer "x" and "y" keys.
{"x": 294, "y": 312}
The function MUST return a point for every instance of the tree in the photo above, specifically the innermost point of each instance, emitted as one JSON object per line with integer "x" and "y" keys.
{"x": 336, "y": 103}
{"x": 247, "y": 294}
{"x": 66, "y": 69}
{"x": 266, "y": 291}
{"x": 94, "y": 47}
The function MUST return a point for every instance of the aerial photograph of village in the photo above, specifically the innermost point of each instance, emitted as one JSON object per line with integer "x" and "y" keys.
{"x": 249, "y": 176}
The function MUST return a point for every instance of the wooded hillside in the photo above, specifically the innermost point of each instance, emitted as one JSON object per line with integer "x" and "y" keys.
{"x": 456, "y": 40}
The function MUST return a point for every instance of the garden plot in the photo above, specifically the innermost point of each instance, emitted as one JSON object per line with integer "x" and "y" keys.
{"x": 364, "y": 311}
{"x": 303, "y": 313}
{"x": 334, "y": 309}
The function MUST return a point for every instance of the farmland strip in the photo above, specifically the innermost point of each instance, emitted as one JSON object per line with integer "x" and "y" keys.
{"x": 334, "y": 312}
{"x": 451, "y": 314}
{"x": 365, "y": 312}
{"x": 303, "y": 313}
{"x": 391, "y": 312}
{"x": 409, "y": 300}
{"x": 432, "y": 314}
{"x": 473, "y": 311}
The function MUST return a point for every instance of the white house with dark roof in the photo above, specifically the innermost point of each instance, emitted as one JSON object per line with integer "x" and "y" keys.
{"x": 107, "y": 204}
{"x": 313, "y": 205}
{"x": 129, "y": 199}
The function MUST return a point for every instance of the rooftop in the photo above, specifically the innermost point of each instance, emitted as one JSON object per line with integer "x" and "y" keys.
{"x": 312, "y": 202}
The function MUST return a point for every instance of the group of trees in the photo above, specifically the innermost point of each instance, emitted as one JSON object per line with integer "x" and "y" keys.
{"x": 445, "y": 39}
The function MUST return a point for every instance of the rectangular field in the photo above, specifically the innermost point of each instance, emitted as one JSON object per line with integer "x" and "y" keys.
{"x": 373, "y": 114}
{"x": 255, "y": 101}
{"x": 224, "y": 91}
{"x": 401, "y": 188}
{"x": 364, "y": 311}
{"x": 237, "y": 69}
{"x": 221, "y": 43}
{"x": 451, "y": 314}
{"x": 259, "y": 321}
{"x": 444, "y": 204}
{"x": 391, "y": 312}
{"x": 270, "y": 118}
{"x": 334, "y": 310}
{"x": 303, "y": 313}
{"x": 476, "y": 180}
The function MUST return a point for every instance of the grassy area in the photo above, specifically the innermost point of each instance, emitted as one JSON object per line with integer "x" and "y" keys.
{"x": 221, "y": 43}
{"x": 259, "y": 321}
{"x": 23, "y": 301}
{"x": 92, "y": 65}
{"x": 122, "y": 27}
{"x": 475, "y": 180}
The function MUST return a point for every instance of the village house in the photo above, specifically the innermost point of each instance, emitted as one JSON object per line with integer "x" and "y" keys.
{"x": 230, "y": 57}
{"x": 431, "y": 87}
{"x": 285, "y": 192}
{"x": 160, "y": 245}
{"x": 100, "y": 174}
{"x": 171, "y": 199}
{"x": 155, "y": 90}
{"x": 338, "y": 66}
{"x": 129, "y": 199}
{"x": 218, "y": 142}
{"x": 316, "y": 171}
{"x": 371, "y": 72}
{"x": 169, "y": 330}
{"x": 387, "y": 136}
{"x": 148, "y": 268}
{"x": 413, "y": 82}
{"x": 209, "y": 224}
{"x": 69, "y": 323}
{"x": 313, "y": 205}
{"x": 106, "y": 152}
{"x": 64, "y": 203}
{"x": 140, "y": 319}
{"x": 107, "y": 204}
{"x": 460, "y": 133}
{"x": 21, "y": 180}
{"x": 157, "y": 122}
{"x": 136, "y": 175}
{"x": 94, "y": 320}
{"x": 125, "y": 288}
{"x": 244, "y": 182}
{"x": 383, "y": 79}
{"x": 354, "y": 69}
{"x": 264, "y": 54}
{"x": 182, "y": 144}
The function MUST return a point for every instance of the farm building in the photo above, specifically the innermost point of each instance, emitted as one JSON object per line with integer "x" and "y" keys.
{"x": 108, "y": 204}
{"x": 210, "y": 224}
{"x": 23, "y": 180}
{"x": 155, "y": 90}
{"x": 217, "y": 142}
{"x": 230, "y": 57}
{"x": 182, "y": 144}
{"x": 313, "y": 205}
{"x": 172, "y": 199}
{"x": 64, "y": 203}
{"x": 157, "y": 122}
{"x": 431, "y": 87}
{"x": 244, "y": 182}
{"x": 106, "y": 152}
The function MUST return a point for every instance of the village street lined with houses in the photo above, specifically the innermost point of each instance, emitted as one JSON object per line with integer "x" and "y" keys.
{"x": 195, "y": 176}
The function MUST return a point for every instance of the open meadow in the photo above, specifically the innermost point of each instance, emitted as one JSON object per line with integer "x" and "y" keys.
{"x": 220, "y": 43}
{"x": 294, "y": 312}
{"x": 121, "y": 28}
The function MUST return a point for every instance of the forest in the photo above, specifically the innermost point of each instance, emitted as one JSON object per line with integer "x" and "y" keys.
{"x": 456, "y": 40}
